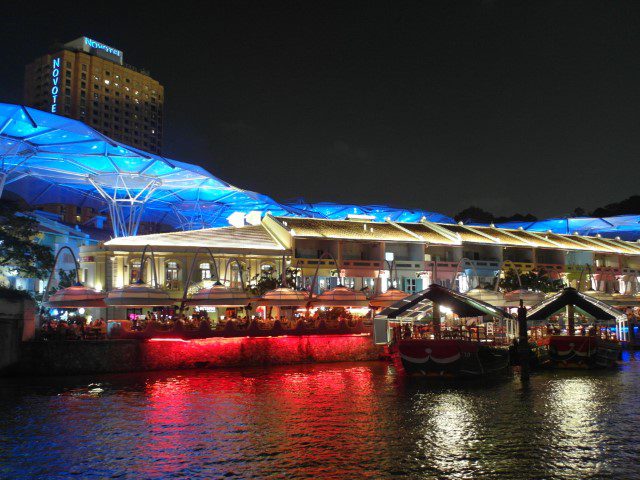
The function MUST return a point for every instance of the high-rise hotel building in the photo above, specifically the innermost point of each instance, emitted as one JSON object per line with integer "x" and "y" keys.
{"x": 89, "y": 81}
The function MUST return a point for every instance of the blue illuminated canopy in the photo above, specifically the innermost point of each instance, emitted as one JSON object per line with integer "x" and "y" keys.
{"x": 48, "y": 158}
{"x": 627, "y": 227}
{"x": 380, "y": 213}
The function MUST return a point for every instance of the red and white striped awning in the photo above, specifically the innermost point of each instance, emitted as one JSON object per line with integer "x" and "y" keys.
{"x": 341, "y": 296}
{"x": 387, "y": 298}
{"x": 219, "y": 296}
{"x": 77, "y": 296}
{"x": 138, "y": 295}
{"x": 284, "y": 297}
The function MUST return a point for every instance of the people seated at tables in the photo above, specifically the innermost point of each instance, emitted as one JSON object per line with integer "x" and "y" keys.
{"x": 100, "y": 326}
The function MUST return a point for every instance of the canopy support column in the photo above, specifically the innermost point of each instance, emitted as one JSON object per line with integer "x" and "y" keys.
{"x": 126, "y": 203}
{"x": 3, "y": 178}
{"x": 19, "y": 157}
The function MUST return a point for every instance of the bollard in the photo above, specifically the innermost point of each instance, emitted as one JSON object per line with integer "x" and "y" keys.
{"x": 523, "y": 342}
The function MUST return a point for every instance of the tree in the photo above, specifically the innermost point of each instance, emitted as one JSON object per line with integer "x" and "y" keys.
{"x": 533, "y": 280}
{"x": 65, "y": 279}
{"x": 516, "y": 217}
{"x": 18, "y": 248}
{"x": 474, "y": 214}
{"x": 478, "y": 215}
{"x": 579, "y": 212}
{"x": 628, "y": 206}
{"x": 268, "y": 280}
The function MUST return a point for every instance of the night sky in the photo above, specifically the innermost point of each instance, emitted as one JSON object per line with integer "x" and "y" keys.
{"x": 510, "y": 106}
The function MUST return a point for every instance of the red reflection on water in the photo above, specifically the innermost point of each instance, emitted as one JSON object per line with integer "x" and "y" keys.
{"x": 291, "y": 419}
{"x": 166, "y": 354}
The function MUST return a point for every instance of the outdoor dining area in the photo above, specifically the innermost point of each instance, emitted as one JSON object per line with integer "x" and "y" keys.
{"x": 222, "y": 308}
{"x": 213, "y": 309}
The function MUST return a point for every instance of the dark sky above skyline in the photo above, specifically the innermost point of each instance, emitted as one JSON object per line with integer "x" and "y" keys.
{"x": 510, "y": 106}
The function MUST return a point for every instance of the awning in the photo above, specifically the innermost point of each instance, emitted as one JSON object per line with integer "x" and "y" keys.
{"x": 461, "y": 305}
{"x": 570, "y": 296}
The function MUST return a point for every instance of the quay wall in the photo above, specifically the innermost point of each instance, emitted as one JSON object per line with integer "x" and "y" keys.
{"x": 106, "y": 356}
{"x": 16, "y": 324}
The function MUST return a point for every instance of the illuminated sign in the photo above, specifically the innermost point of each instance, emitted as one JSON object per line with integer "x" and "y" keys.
{"x": 55, "y": 81}
{"x": 101, "y": 46}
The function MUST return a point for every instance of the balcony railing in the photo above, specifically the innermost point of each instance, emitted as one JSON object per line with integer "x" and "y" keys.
{"x": 313, "y": 262}
{"x": 364, "y": 264}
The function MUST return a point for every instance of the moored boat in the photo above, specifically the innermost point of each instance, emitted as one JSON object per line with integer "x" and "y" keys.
{"x": 462, "y": 337}
{"x": 576, "y": 351}
{"x": 591, "y": 344}
{"x": 451, "y": 357}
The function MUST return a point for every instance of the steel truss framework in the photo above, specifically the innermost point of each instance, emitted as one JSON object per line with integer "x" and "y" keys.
{"x": 46, "y": 158}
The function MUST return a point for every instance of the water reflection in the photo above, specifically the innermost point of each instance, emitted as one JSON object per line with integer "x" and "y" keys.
{"x": 320, "y": 421}
{"x": 449, "y": 432}
{"x": 577, "y": 407}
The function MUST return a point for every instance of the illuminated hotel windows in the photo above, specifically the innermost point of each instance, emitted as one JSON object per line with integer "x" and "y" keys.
{"x": 84, "y": 67}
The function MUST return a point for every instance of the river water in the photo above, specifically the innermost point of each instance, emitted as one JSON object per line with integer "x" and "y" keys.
{"x": 346, "y": 420}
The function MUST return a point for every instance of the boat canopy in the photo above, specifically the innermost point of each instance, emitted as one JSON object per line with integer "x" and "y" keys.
{"x": 584, "y": 303}
{"x": 460, "y": 304}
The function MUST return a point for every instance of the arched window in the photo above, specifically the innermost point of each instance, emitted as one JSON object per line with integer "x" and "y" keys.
{"x": 134, "y": 272}
{"x": 172, "y": 275}
{"x": 205, "y": 271}
{"x": 171, "y": 271}
{"x": 234, "y": 280}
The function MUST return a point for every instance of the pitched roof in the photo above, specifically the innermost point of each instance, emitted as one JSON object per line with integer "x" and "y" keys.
{"x": 431, "y": 233}
{"x": 570, "y": 296}
{"x": 224, "y": 238}
{"x": 346, "y": 229}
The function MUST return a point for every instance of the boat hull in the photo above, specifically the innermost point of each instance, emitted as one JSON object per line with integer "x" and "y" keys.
{"x": 451, "y": 358}
{"x": 578, "y": 352}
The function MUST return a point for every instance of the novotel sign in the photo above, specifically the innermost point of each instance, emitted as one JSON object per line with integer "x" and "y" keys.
{"x": 94, "y": 47}
{"x": 102, "y": 46}
{"x": 55, "y": 84}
